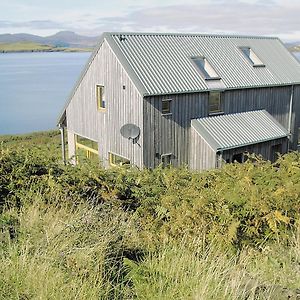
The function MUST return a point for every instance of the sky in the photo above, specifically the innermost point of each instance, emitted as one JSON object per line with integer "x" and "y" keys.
{"x": 92, "y": 17}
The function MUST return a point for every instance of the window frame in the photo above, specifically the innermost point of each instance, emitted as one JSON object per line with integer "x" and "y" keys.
{"x": 221, "y": 109}
{"x": 203, "y": 66}
{"x": 169, "y": 111}
{"x": 165, "y": 155}
{"x": 88, "y": 150}
{"x": 112, "y": 156}
{"x": 252, "y": 57}
{"x": 101, "y": 105}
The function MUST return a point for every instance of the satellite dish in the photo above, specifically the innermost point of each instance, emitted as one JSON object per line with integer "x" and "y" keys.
{"x": 130, "y": 131}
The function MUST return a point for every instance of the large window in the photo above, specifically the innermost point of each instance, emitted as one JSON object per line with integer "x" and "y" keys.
{"x": 86, "y": 149}
{"x": 205, "y": 68}
{"x": 116, "y": 160}
{"x": 215, "y": 102}
{"x": 100, "y": 97}
{"x": 252, "y": 57}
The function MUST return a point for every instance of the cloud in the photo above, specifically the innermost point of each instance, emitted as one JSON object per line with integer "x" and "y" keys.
{"x": 272, "y": 17}
{"x": 260, "y": 18}
{"x": 35, "y": 24}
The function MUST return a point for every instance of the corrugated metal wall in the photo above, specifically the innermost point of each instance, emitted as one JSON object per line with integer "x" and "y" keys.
{"x": 171, "y": 134}
{"x": 123, "y": 105}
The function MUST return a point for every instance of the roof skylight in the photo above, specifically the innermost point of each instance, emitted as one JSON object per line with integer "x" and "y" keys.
{"x": 205, "y": 68}
{"x": 252, "y": 57}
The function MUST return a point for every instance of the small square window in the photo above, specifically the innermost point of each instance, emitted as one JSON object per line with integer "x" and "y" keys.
{"x": 214, "y": 102}
{"x": 166, "y": 106}
{"x": 166, "y": 159}
{"x": 100, "y": 97}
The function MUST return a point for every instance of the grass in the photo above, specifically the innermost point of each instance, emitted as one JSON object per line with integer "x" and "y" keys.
{"x": 88, "y": 233}
{"x": 65, "y": 252}
{"x": 36, "y": 47}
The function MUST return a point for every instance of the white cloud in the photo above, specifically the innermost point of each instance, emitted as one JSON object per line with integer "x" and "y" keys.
{"x": 261, "y": 17}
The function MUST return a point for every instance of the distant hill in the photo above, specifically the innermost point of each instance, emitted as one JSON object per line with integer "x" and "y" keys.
{"x": 60, "y": 39}
{"x": 70, "y": 39}
{"x": 37, "y": 47}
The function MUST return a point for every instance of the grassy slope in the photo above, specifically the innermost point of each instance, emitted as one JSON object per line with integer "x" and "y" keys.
{"x": 35, "y": 47}
{"x": 89, "y": 233}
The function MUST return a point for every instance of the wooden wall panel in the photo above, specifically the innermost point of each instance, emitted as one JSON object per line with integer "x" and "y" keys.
{"x": 202, "y": 156}
{"x": 171, "y": 134}
{"x": 123, "y": 105}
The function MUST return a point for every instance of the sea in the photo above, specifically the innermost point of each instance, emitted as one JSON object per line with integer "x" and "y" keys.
{"x": 34, "y": 88}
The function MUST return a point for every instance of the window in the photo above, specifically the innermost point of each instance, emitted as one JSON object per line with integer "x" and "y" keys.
{"x": 214, "y": 102}
{"x": 100, "y": 97}
{"x": 166, "y": 159}
{"x": 205, "y": 68}
{"x": 85, "y": 149}
{"x": 166, "y": 106}
{"x": 116, "y": 160}
{"x": 252, "y": 57}
{"x": 299, "y": 136}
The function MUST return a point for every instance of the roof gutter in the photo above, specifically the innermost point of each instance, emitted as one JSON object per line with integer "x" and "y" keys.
{"x": 290, "y": 115}
{"x": 291, "y": 110}
{"x": 63, "y": 142}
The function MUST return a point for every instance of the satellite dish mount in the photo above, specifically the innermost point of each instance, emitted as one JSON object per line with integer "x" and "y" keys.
{"x": 130, "y": 132}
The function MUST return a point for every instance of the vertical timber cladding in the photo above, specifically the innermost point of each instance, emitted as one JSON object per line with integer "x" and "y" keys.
{"x": 123, "y": 105}
{"x": 265, "y": 149}
{"x": 171, "y": 134}
{"x": 202, "y": 156}
{"x": 164, "y": 134}
{"x": 71, "y": 145}
{"x": 275, "y": 100}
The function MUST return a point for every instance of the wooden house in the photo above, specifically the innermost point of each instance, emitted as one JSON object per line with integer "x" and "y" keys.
{"x": 184, "y": 99}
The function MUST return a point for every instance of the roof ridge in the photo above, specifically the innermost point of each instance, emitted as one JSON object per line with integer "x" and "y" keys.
{"x": 186, "y": 34}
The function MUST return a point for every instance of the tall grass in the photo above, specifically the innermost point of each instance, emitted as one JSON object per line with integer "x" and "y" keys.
{"x": 61, "y": 252}
{"x": 79, "y": 252}
{"x": 192, "y": 271}
{"x": 88, "y": 233}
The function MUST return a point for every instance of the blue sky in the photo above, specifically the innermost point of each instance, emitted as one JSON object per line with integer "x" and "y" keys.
{"x": 92, "y": 17}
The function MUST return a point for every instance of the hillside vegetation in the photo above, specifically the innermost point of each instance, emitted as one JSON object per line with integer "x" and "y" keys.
{"x": 36, "y": 47}
{"x": 86, "y": 232}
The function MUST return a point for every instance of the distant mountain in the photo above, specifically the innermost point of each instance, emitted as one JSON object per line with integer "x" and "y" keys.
{"x": 293, "y": 47}
{"x": 20, "y": 37}
{"x": 71, "y": 39}
{"x": 60, "y": 39}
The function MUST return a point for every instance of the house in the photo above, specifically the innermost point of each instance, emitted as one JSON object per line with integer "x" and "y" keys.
{"x": 184, "y": 99}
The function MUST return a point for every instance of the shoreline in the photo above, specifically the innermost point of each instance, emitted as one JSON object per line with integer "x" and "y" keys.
{"x": 48, "y": 50}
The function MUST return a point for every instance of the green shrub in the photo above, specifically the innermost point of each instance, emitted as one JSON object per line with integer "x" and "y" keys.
{"x": 87, "y": 232}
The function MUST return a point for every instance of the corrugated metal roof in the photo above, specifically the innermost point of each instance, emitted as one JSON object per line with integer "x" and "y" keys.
{"x": 237, "y": 130}
{"x": 162, "y": 62}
